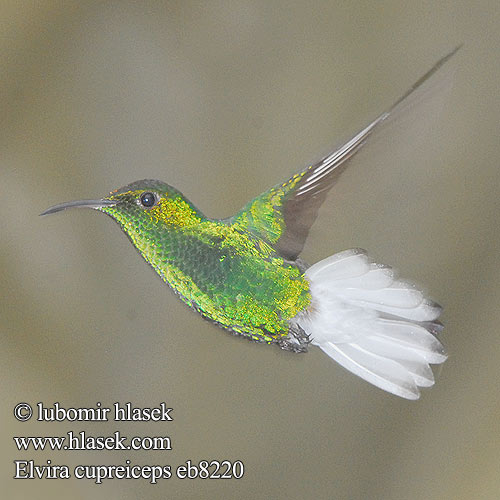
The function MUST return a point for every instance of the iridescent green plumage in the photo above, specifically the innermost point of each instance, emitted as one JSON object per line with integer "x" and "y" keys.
{"x": 221, "y": 269}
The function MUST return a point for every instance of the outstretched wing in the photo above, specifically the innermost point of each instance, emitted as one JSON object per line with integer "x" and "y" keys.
{"x": 284, "y": 214}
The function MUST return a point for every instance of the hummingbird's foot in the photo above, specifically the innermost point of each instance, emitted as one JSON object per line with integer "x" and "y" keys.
{"x": 297, "y": 340}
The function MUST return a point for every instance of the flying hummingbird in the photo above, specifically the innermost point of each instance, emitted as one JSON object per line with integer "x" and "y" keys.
{"x": 244, "y": 273}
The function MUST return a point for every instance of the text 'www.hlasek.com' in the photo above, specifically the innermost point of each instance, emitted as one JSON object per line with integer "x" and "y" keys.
{"x": 80, "y": 440}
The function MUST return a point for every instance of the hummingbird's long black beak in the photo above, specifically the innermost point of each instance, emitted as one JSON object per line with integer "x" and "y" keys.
{"x": 79, "y": 204}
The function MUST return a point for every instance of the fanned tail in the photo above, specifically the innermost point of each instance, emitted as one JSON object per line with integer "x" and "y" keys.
{"x": 375, "y": 325}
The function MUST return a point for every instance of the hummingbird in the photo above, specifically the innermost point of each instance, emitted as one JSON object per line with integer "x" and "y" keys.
{"x": 244, "y": 273}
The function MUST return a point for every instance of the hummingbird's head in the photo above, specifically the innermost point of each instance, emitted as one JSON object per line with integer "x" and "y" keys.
{"x": 141, "y": 208}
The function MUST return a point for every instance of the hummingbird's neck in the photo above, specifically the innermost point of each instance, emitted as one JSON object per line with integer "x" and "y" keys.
{"x": 160, "y": 232}
{"x": 176, "y": 213}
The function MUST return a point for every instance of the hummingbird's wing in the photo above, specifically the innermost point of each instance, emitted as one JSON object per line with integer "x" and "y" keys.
{"x": 284, "y": 214}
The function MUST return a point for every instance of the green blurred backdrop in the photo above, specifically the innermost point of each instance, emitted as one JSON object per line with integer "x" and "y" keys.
{"x": 224, "y": 99}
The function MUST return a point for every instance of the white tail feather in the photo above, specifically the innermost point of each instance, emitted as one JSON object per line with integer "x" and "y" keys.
{"x": 376, "y": 326}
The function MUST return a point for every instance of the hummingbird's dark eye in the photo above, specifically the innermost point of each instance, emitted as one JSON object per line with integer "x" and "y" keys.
{"x": 147, "y": 199}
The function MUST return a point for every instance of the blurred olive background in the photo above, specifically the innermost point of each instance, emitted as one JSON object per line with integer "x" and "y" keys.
{"x": 224, "y": 99}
